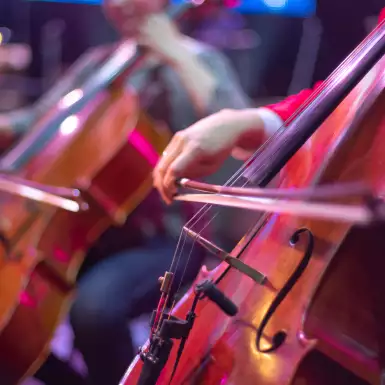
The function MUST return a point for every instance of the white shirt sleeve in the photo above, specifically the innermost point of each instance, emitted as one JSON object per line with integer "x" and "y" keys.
{"x": 271, "y": 120}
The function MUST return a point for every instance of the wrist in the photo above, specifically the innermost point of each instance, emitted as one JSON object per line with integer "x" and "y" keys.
{"x": 245, "y": 120}
{"x": 184, "y": 51}
{"x": 260, "y": 120}
{"x": 180, "y": 57}
{"x": 271, "y": 122}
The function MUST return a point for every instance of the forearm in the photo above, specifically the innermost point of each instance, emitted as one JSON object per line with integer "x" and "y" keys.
{"x": 255, "y": 122}
{"x": 253, "y": 126}
{"x": 228, "y": 92}
{"x": 197, "y": 78}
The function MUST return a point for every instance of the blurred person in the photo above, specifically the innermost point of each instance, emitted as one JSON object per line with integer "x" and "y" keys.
{"x": 182, "y": 81}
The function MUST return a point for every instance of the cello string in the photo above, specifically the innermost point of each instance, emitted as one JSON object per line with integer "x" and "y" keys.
{"x": 253, "y": 161}
{"x": 194, "y": 221}
{"x": 201, "y": 213}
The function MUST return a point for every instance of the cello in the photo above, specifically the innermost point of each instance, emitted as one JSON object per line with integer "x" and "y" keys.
{"x": 85, "y": 166}
{"x": 300, "y": 300}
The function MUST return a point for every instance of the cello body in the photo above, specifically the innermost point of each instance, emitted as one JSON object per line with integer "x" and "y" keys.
{"x": 333, "y": 317}
{"x": 107, "y": 150}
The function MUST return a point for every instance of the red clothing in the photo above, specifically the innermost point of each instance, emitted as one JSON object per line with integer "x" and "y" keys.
{"x": 382, "y": 15}
{"x": 288, "y": 106}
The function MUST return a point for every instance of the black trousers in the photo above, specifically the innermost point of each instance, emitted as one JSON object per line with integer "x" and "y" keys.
{"x": 115, "y": 291}
{"x": 56, "y": 372}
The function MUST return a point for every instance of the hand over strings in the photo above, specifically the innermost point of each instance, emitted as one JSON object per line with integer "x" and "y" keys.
{"x": 200, "y": 149}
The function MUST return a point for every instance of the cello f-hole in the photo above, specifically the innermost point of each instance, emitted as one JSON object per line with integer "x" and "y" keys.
{"x": 279, "y": 338}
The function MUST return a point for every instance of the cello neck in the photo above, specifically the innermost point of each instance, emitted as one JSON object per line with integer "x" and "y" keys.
{"x": 319, "y": 106}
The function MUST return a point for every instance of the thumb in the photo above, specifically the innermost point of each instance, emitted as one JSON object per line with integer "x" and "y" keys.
{"x": 186, "y": 159}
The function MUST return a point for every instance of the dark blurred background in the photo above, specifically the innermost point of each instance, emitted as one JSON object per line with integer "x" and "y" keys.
{"x": 276, "y": 46}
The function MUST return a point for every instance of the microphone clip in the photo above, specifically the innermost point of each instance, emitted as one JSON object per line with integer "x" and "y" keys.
{"x": 170, "y": 328}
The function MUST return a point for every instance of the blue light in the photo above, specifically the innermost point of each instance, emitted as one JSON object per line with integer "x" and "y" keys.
{"x": 278, "y": 4}
{"x": 299, "y": 8}
{"x": 89, "y": 2}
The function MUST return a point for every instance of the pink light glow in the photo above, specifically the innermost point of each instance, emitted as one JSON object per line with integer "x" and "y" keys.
{"x": 27, "y": 300}
{"x": 144, "y": 147}
{"x": 61, "y": 255}
{"x": 71, "y": 98}
{"x": 232, "y": 3}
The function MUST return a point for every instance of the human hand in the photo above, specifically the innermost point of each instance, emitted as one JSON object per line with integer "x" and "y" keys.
{"x": 159, "y": 33}
{"x": 202, "y": 148}
{"x": 128, "y": 16}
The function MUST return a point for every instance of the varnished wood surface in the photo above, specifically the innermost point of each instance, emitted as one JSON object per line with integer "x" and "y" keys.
{"x": 333, "y": 316}
{"x": 37, "y": 281}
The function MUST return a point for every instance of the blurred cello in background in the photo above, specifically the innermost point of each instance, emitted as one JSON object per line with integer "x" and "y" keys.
{"x": 92, "y": 155}
{"x": 107, "y": 151}
{"x": 300, "y": 300}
